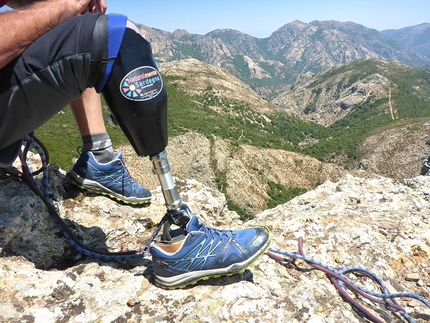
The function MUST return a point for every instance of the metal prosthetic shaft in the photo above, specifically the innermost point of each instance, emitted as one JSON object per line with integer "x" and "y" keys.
{"x": 168, "y": 186}
{"x": 178, "y": 212}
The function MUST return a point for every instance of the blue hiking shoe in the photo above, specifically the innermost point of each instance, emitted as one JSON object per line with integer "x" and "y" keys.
{"x": 197, "y": 252}
{"x": 111, "y": 179}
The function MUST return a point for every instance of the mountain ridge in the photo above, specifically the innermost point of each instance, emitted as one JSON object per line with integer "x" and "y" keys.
{"x": 416, "y": 37}
{"x": 329, "y": 96}
{"x": 293, "y": 49}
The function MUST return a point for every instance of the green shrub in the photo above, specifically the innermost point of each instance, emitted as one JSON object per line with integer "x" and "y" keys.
{"x": 279, "y": 194}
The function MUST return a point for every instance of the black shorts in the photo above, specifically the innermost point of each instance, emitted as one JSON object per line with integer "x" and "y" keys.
{"x": 50, "y": 73}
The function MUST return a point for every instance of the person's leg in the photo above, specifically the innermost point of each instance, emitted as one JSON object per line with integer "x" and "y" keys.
{"x": 100, "y": 169}
{"x": 88, "y": 114}
{"x": 50, "y": 74}
{"x": 89, "y": 119}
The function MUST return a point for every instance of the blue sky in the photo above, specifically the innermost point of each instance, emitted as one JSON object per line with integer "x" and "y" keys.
{"x": 261, "y": 18}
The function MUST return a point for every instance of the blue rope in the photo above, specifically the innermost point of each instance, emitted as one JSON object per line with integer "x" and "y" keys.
{"x": 341, "y": 282}
{"x": 28, "y": 177}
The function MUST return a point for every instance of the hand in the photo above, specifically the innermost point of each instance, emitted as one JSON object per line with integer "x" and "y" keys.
{"x": 96, "y": 6}
{"x": 20, "y": 28}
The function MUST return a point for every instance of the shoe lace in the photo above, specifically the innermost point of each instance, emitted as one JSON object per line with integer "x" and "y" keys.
{"x": 229, "y": 234}
{"x": 127, "y": 177}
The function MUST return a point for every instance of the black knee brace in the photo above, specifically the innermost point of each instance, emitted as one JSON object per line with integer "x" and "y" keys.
{"x": 135, "y": 93}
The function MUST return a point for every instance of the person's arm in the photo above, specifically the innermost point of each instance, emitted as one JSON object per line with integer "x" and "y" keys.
{"x": 22, "y": 27}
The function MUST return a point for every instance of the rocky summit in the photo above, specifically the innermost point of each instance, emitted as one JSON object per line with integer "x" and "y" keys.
{"x": 376, "y": 223}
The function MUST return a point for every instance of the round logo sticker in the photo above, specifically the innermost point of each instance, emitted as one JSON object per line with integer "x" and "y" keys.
{"x": 141, "y": 84}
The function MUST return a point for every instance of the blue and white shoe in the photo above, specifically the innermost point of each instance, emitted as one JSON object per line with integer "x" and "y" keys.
{"x": 111, "y": 179}
{"x": 199, "y": 253}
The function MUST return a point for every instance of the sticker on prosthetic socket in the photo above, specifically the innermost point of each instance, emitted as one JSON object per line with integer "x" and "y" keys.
{"x": 142, "y": 84}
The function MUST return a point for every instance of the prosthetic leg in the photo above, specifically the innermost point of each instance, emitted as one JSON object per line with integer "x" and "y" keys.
{"x": 136, "y": 96}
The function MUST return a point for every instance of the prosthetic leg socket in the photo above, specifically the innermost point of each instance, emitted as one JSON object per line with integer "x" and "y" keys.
{"x": 136, "y": 95}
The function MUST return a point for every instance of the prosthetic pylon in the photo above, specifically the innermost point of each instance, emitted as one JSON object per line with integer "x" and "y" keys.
{"x": 178, "y": 212}
{"x": 168, "y": 186}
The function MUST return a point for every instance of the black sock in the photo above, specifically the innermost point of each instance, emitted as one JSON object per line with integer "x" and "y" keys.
{"x": 100, "y": 145}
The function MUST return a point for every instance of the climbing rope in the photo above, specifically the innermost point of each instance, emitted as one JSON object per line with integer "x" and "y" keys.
{"x": 28, "y": 177}
{"x": 343, "y": 284}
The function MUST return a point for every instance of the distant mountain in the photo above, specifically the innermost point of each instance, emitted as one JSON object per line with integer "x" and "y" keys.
{"x": 322, "y": 44}
{"x": 268, "y": 64}
{"x": 416, "y": 37}
{"x": 327, "y": 97}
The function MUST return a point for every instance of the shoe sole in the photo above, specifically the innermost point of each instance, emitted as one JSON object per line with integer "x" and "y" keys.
{"x": 95, "y": 187}
{"x": 192, "y": 278}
